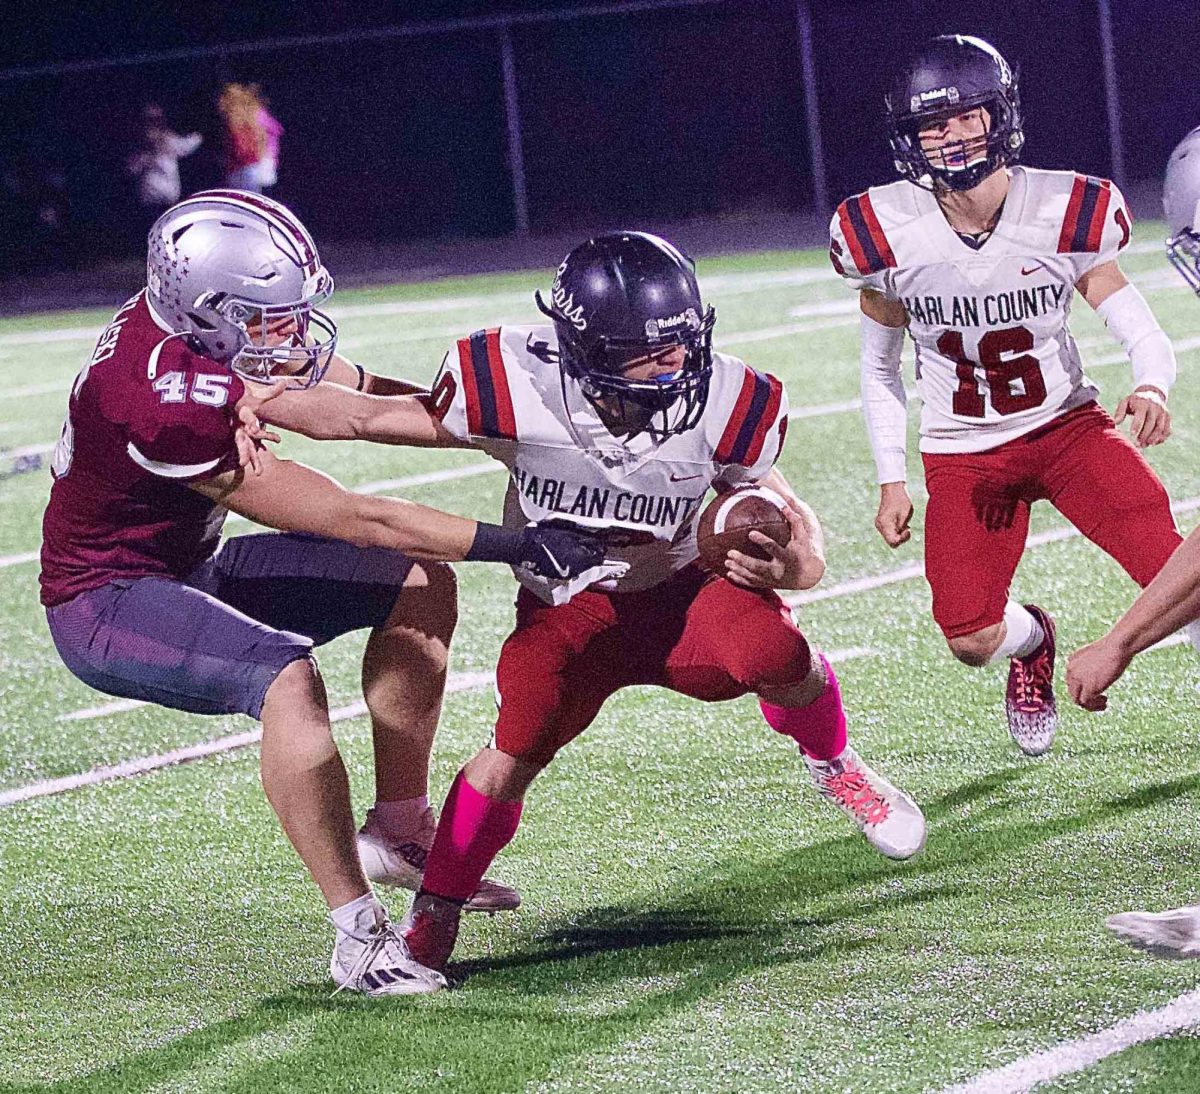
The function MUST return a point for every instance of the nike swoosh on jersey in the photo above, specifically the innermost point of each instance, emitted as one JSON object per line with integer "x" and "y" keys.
{"x": 684, "y": 478}
{"x": 1032, "y": 270}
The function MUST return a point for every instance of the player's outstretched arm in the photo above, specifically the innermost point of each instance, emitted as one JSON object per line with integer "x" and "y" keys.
{"x": 799, "y": 565}
{"x": 343, "y": 371}
{"x": 295, "y": 498}
{"x": 331, "y": 412}
{"x": 1126, "y": 313}
{"x": 1170, "y": 601}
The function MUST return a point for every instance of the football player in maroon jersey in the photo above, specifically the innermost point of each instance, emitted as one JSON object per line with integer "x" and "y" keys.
{"x": 142, "y": 604}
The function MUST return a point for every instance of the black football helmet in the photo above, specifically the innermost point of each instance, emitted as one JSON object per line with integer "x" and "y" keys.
{"x": 951, "y": 74}
{"x": 624, "y": 295}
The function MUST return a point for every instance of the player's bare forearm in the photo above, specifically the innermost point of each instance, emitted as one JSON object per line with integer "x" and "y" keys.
{"x": 331, "y": 412}
{"x": 295, "y": 498}
{"x": 1170, "y": 601}
{"x": 348, "y": 374}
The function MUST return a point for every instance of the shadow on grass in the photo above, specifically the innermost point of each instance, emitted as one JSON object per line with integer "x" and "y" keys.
{"x": 601, "y": 979}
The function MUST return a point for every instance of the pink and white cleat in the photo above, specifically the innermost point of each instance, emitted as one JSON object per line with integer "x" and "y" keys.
{"x": 401, "y": 863}
{"x": 891, "y": 821}
{"x": 431, "y": 928}
{"x": 1029, "y": 702}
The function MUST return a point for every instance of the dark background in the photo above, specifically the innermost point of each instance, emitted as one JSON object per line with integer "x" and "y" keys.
{"x": 652, "y": 116}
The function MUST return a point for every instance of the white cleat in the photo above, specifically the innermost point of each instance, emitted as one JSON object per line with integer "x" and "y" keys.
{"x": 402, "y": 864}
{"x": 1174, "y": 933}
{"x": 375, "y": 960}
{"x": 891, "y": 821}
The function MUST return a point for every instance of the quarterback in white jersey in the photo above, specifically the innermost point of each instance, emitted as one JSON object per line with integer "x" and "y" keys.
{"x": 616, "y": 418}
{"x": 979, "y": 260}
{"x": 1172, "y": 599}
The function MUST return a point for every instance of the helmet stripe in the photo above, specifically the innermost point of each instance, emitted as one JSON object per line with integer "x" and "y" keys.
{"x": 275, "y": 214}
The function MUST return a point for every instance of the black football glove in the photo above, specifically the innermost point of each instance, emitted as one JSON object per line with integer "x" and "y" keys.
{"x": 559, "y": 553}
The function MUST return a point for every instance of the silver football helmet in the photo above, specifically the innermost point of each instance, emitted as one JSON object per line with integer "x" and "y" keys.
{"x": 239, "y": 274}
{"x": 1181, "y": 205}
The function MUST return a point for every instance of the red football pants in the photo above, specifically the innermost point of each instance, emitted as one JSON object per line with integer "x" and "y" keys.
{"x": 978, "y": 513}
{"x": 698, "y": 635}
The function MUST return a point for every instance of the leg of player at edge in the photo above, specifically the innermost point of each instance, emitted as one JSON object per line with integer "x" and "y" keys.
{"x": 403, "y": 681}
{"x": 305, "y": 782}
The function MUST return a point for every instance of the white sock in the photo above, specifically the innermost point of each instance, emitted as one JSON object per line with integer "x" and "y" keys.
{"x": 1022, "y": 634}
{"x": 1192, "y": 630}
{"x": 402, "y": 817}
{"x": 357, "y": 917}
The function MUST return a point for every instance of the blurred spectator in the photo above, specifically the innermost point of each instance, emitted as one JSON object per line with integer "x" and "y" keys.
{"x": 252, "y": 137}
{"x": 155, "y": 165}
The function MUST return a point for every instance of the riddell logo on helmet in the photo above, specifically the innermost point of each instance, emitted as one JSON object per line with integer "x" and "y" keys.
{"x": 937, "y": 94}
{"x": 685, "y": 320}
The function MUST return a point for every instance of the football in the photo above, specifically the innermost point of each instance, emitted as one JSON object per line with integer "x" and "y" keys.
{"x": 727, "y": 521}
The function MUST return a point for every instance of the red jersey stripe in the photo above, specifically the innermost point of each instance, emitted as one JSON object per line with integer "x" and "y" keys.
{"x": 764, "y": 422}
{"x": 506, "y": 419}
{"x": 734, "y": 426}
{"x": 470, "y": 387}
{"x": 856, "y": 249}
{"x": 877, "y": 236}
{"x": 1099, "y": 213}
{"x": 1070, "y": 220}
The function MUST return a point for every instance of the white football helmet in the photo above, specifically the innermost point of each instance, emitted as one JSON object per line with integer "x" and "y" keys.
{"x": 239, "y": 275}
{"x": 1181, "y": 205}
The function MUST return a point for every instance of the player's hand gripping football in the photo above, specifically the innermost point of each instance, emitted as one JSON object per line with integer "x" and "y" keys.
{"x": 250, "y": 435}
{"x": 799, "y": 565}
{"x": 1149, "y": 418}
{"x": 1093, "y": 669}
{"x": 895, "y": 513}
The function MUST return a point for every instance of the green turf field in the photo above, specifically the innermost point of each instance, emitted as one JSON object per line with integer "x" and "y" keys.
{"x": 695, "y": 919}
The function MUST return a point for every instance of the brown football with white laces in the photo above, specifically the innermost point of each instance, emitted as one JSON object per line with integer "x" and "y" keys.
{"x": 727, "y": 521}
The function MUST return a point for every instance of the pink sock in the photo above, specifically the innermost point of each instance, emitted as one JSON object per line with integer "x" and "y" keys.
{"x": 819, "y": 728}
{"x": 472, "y": 831}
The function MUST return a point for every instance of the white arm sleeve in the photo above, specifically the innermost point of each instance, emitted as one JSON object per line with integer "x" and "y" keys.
{"x": 885, "y": 406}
{"x": 1131, "y": 321}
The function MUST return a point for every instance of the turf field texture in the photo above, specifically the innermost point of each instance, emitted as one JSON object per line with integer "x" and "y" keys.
{"x": 695, "y": 919}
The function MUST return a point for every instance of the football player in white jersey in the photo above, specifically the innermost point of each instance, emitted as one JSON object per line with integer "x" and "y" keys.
{"x": 979, "y": 260}
{"x": 618, "y": 417}
{"x": 1172, "y": 599}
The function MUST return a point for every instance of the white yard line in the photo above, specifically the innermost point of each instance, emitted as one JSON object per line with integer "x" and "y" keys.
{"x": 18, "y": 560}
{"x": 43, "y": 788}
{"x": 1064, "y": 1059}
{"x": 459, "y": 681}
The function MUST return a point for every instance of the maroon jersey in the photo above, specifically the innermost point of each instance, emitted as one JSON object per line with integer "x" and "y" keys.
{"x": 147, "y": 416}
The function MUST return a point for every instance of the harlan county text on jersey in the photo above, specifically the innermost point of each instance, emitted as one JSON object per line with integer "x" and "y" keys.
{"x": 995, "y": 309}
{"x": 604, "y": 503}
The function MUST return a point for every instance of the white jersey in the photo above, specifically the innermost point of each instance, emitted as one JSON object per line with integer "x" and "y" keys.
{"x": 502, "y": 390}
{"x": 994, "y": 356}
